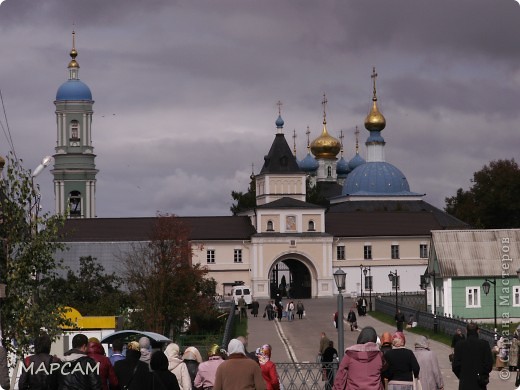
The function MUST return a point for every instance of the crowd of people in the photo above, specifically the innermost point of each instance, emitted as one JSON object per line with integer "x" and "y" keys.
{"x": 134, "y": 366}
{"x": 276, "y": 310}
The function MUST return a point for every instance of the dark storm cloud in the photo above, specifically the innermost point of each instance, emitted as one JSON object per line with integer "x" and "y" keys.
{"x": 185, "y": 91}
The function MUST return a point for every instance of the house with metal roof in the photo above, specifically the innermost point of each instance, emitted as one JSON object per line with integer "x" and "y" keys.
{"x": 474, "y": 274}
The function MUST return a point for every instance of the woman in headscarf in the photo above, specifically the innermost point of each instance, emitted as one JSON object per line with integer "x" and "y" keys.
{"x": 177, "y": 366}
{"x": 431, "y": 378}
{"x": 362, "y": 364}
{"x": 402, "y": 365}
{"x": 205, "y": 378}
{"x": 386, "y": 342}
{"x": 191, "y": 357}
{"x": 238, "y": 371}
{"x": 160, "y": 377}
{"x": 268, "y": 367}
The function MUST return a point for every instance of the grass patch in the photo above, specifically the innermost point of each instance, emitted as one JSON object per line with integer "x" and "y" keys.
{"x": 440, "y": 337}
{"x": 239, "y": 327}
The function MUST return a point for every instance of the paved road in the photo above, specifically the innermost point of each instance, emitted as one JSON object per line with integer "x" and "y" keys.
{"x": 299, "y": 340}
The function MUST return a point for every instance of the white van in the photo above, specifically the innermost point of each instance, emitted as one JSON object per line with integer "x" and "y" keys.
{"x": 245, "y": 291}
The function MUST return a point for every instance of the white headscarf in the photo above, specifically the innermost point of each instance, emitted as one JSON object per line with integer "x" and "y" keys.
{"x": 236, "y": 346}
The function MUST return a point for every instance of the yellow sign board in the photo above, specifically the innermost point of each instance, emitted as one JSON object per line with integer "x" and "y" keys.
{"x": 88, "y": 322}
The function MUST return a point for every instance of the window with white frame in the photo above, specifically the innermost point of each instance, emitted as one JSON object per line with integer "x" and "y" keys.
{"x": 395, "y": 251}
{"x": 423, "y": 251}
{"x": 340, "y": 252}
{"x": 472, "y": 297}
{"x": 516, "y": 296}
{"x": 367, "y": 252}
{"x": 237, "y": 257}
{"x": 210, "y": 256}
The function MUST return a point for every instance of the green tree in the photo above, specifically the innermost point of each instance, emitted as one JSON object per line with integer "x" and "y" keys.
{"x": 492, "y": 202}
{"x": 166, "y": 287}
{"x": 28, "y": 264}
{"x": 91, "y": 290}
{"x": 244, "y": 201}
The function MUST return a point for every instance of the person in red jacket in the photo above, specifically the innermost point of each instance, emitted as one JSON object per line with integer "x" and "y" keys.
{"x": 106, "y": 371}
{"x": 268, "y": 368}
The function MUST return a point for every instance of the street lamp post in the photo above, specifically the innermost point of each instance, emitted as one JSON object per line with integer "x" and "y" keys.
{"x": 365, "y": 270}
{"x": 427, "y": 280}
{"x": 361, "y": 280}
{"x": 339, "y": 278}
{"x": 392, "y": 276}
{"x": 486, "y": 286}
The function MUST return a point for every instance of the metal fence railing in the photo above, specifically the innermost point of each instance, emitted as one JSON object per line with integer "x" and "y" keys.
{"x": 306, "y": 376}
{"x": 446, "y": 325}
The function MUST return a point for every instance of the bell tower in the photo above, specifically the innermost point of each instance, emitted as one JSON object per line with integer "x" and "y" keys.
{"x": 74, "y": 167}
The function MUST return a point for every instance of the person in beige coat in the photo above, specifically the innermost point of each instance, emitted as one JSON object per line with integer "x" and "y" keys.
{"x": 238, "y": 372}
{"x": 431, "y": 378}
{"x": 177, "y": 366}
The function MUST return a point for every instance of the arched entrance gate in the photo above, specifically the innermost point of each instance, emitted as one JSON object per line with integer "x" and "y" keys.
{"x": 290, "y": 278}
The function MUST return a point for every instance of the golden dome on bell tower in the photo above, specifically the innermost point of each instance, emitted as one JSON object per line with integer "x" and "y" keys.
{"x": 73, "y": 53}
{"x": 325, "y": 146}
{"x": 374, "y": 121}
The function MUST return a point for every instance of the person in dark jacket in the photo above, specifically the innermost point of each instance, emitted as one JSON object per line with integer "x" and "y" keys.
{"x": 161, "y": 378}
{"x": 132, "y": 372}
{"x": 37, "y": 377}
{"x": 106, "y": 371}
{"x": 472, "y": 360}
{"x": 402, "y": 364}
{"x": 78, "y": 371}
{"x": 329, "y": 356}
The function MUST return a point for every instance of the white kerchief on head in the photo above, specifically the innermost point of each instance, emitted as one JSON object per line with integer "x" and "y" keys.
{"x": 236, "y": 346}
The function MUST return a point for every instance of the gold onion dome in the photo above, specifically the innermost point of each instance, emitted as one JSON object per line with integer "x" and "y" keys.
{"x": 73, "y": 52}
{"x": 375, "y": 121}
{"x": 325, "y": 146}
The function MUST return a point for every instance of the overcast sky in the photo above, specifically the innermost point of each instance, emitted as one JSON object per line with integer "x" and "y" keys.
{"x": 185, "y": 91}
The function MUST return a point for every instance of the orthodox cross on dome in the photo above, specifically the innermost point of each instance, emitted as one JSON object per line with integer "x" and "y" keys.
{"x": 341, "y": 136}
{"x": 374, "y": 77}
{"x": 308, "y": 132}
{"x": 357, "y": 139}
{"x": 324, "y": 103}
{"x": 279, "y": 104}
{"x": 294, "y": 141}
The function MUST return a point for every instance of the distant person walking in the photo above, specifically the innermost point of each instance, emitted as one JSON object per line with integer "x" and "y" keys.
{"x": 362, "y": 365}
{"x": 431, "y": 377}
{"x": 458, "y": 336}
{"x": 324, "y": 343}
{"x": 242, "y": 307}
{"x": 254, "y": 308}
{"x": 327, "y": 359}
{"x": 399, "y": 320}
{"x": 300, "y": 309}
{"x": 352, "y": 320}
{"x": 472, "y": 361}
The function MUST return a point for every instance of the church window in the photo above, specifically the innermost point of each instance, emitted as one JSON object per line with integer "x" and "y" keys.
{"x": 74, "y": 130}
{"x": 329, "y": 171}
{"x": 340, "y": 252}
{"x": 312, "y": 226}
{"x": 395, "y": 251}
{"x": 210, "y": 256}
{"x": 238, "y": 256}
{"x": 75, "y": 204}
{"x": 270, "y": 226}
{"x": 367, "y": 252}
